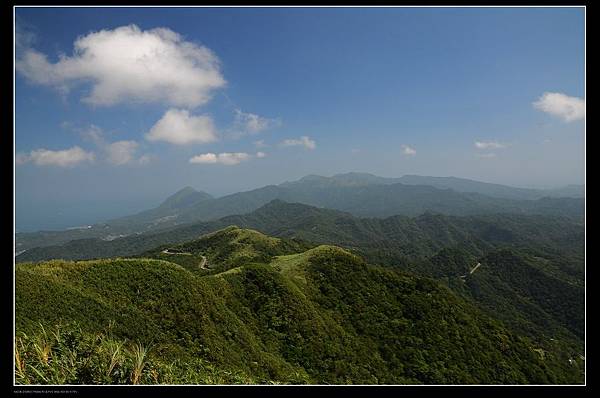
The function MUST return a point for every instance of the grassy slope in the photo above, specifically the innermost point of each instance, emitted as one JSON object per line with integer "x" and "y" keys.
{"x": 320, "y": 315}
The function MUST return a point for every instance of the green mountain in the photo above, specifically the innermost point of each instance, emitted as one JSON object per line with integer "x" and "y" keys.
{"x": 537, "y": 288}
{"x": 454, "y": 183}
{"x": 237, "y": 306}
{"x": 364, "y": 197}
{"x": 384, "y": 240}
{"x": 361, "y": 194}
{"x": 168, "y": 212}
{"x": 153, "y": 219}
{"x": 494, "y": 190}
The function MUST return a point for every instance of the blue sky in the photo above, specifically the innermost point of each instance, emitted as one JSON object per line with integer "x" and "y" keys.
{"x": 252, "y": 96}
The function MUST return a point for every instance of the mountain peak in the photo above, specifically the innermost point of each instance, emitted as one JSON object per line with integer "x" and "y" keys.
{"x": 186, "y": 189}
{"x": 344, "y": 179}
{"x": 355, "y": 174}
{"x": 185, "y": 197}
{"x": 312, "y": 177}
{"x": 356, "y": 178}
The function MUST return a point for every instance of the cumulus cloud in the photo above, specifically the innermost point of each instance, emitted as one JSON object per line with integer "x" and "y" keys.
{"x": 250, "y": 123}
{"x": 21, "y": 158}
{"x": 489, "y": 145}
{"x": 121, "y": 152}
{"x": 117, "y": 153}
{"x": 178, "y": 127}
{"x": 63, "y": 158}
{"x": 91, "y": 133}
{"x": 304, "y": 141}
{"x": 128, "y": 64}
{"x": 260, "y": 155}
{"x": 226, "y": 158}
{"x": 561, "y": 105}
{"x": 408, "y": 151}
{"x": 24, "y": 37}
{"x": 204, "y": 158}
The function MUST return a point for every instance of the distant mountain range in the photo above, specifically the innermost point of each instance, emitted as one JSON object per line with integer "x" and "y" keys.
{"x": 454, "y": 183}
{"x": 363, "y": 195}
{"x": 360, "y": 194}
{"x": 386, "y": 240}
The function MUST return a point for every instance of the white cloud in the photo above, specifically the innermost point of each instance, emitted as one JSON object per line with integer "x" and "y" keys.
{"x": 63, "y": 158}
{"x": 408, "y": 150}
{"x": 24, "y": 37}
{"x": 260, "y": 155}
{"x": 93, "y": 133}
{"x": 121, "y": 152}
{"x": 130, "y": 65}
{"x": 561, "y": 105}
{"x": 250, "y": 123}
{"x": 21, "y": 158}
{"x": 226, "y": 158}
{"x": 178, "y": 127}
{"x": 304, "y": 141}
{"x": 117, "y": 153}
{"x": 489, "y": 145}
{"x": 204, "y": 158}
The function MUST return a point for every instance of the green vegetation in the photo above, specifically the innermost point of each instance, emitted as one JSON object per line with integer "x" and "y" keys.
{"x": 386, "y": 241}
{"x": 227, "y": 248}
{"x": 66, "y": 354}
{"x": 268, "y": 310}
{"x": 510, "y": 283}
{"x": 536, "y": 285}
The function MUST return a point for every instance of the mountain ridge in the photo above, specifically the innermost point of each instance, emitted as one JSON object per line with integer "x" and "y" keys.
{"x": 269, "y": 310}
{"x": 362, "y": 194}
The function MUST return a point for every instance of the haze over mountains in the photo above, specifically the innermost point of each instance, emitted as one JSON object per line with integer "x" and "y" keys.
{"x": 413, "y": 236}
{"x": 361, "y": 194}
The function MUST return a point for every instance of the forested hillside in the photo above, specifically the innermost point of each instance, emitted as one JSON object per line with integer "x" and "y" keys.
{"x": 262, "y": 310}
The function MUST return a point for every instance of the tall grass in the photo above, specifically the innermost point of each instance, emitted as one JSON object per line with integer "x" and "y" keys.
{"x": 138, "y": 352}
{"x": 66, "y": 354}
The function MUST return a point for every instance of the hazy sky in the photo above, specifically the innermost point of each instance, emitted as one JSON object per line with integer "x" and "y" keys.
{"x": 117, "y": 108}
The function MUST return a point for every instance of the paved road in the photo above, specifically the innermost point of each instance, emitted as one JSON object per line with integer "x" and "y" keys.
{"x": 203, "y": 263}
{"x": 470, "y": 272}
{"x": 166, "y": 251}
{"x": 477, "y": 266}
